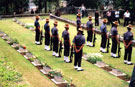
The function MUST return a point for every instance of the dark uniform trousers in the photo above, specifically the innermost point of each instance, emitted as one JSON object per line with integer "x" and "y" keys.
{"x": 90, "y": 35}
{"x": 96, "y": 22}
{"x": 78, "y": 26}
{"x": 126, "y": 21}
{"x": 66, "y": 48}
{"x": 47, "y": 38}
{"x": 37, "y": 37}
{"x": 78, "y": 58}
{"x": 132, "y": 82}
{"x": 114, "y": 45}
{"x": 103, "y": 40}
{"x": 128, "y": 53}
{"x": 55, "y": 44}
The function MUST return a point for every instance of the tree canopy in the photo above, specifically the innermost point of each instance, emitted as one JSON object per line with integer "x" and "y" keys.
{"x": 11, "y": 6}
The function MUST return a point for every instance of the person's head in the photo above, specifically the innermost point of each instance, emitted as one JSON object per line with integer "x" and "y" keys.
{"x": 127, "y": 11}
{"x": 47, "y": 20}
{"x": 116, "y": 23}
{"x": 129, "y": 27}
{"x": 67, "y": 26}
{"x": 55, "y": 23}
{"x": 90, "y": 18}
{"x": 78, "y": 15}
{"x": 96, "y": 11}
{"x": 80, "y": 31}
{"x": 117, "y": 9}
{"x": 104, "y": 21}
{"x": 37, "y": 17}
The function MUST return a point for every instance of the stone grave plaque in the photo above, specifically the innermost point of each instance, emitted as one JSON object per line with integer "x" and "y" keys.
{"x": 6, "y": 37}
{"x": 58, "y": 79}
{"x": 100, "y": 64}
{"x": 36, "y": 63}
{"x": 2, "y": 34}
{"x": 116, "y": 72}
{"x": 45, "y": 70}
{"x": 22, "y": 51}
{"x": 28, "y": 56}
{"x": 15, "y": 45}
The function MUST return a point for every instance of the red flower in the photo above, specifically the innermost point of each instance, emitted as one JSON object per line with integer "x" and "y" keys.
{"x": 24, "y": 47}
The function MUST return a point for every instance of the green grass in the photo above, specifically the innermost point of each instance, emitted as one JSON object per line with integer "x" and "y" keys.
{"x": 9, "y": 76}
{"x": 91, "y": 77}
{"x": 121, "y": 29}
{"x": 32, "y": 77}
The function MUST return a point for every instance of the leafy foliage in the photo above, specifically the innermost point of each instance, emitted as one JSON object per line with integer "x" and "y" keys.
{"x": 10, "y": 6}
{"x": 9, "y": 76}
{"x": 94, "y": 57}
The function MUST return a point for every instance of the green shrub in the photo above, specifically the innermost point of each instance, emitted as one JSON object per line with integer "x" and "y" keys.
{"x": 94, "y": 57}
{"x": 93, "y": 60}
{"x": 9, "y": 77}
{"x": 55, "y": 73}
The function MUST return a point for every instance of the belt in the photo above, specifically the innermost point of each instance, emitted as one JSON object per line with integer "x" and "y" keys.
{"x": 78, "y": 46}
{"x": 113, "y": 36}
{"x": 47, "y": 31}
{"x": 55, "y": 36}
{"x": 66, "y": 40}
{"x": 90, "y": 29}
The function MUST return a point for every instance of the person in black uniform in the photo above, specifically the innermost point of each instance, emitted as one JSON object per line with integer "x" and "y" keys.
{"x": 55, "y": 36}
{"x": 89, "y": 31}
{"x": 115, "y": 40}
{"x": 37, "y": 26}
{"x": 132, "y": 81}
{"x": 128, "y": 37}
{"x": 103, "y": 36}
{"x": 47, "y": 35}
{"x": 96, "y": 18}
{"x": 78, "y": 21}
{"x": 67, "y": 44}
{"x": 79, "y": 42}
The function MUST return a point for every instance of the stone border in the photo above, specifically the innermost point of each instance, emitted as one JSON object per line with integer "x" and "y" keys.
{"x": 121, "y": 76}
{"x": 83, "y": 26}
{"x": 40, "y": 68}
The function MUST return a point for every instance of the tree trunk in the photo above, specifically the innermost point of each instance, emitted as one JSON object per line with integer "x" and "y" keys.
{"x": 45, "y": 1}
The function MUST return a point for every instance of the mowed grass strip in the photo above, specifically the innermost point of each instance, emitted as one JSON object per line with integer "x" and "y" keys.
{"x": 32, "y": 76}
{"x": 91, "y": 77}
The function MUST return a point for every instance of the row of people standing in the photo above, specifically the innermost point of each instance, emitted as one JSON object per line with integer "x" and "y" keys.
{"x": 78, "y": 41}
{"x": 128, "y": 37}
{"x": 115, "y": 16}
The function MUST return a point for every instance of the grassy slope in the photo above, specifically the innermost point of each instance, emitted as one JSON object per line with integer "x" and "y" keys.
{"x": 121, "y": 29}
{"x": 91, "y": 77}
{"x": 33, "y": 77}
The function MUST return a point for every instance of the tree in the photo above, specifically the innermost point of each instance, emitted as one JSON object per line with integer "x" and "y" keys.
{"x": 11, "y": 6}
{"x": 43, "y": 4}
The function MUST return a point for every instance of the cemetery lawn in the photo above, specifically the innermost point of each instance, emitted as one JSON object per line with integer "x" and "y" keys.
{"x": 121, "y": 29}
{"x": 32, "y": 77}
{"x": 91, "y": 77}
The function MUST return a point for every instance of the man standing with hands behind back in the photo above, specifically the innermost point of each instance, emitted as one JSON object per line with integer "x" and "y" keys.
{"x": 128, "y": 37}
{"x": 79, "y": 42}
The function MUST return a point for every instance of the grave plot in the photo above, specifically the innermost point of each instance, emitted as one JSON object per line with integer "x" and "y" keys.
{"x": 56, "y": 77}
